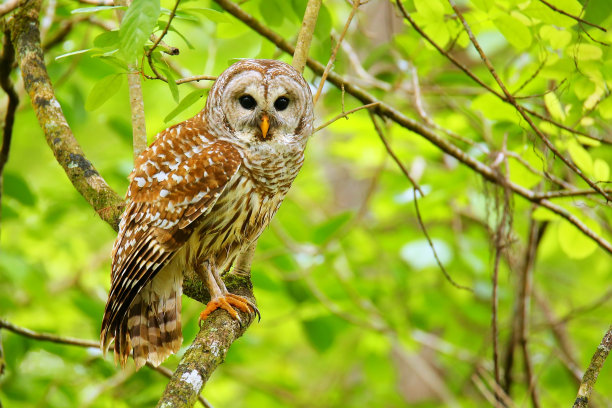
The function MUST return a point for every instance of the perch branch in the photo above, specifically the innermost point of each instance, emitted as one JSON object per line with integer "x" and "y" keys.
{"x": 68, "y": 153}
{"x": 590, "y": 376}
{"x": 388, "y": 111}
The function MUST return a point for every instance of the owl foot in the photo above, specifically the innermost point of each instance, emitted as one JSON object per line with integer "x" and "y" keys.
{"x": 227, "y": 303}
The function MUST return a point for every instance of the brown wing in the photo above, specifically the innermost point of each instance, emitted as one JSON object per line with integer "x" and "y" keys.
{"x": 174, "y": 183}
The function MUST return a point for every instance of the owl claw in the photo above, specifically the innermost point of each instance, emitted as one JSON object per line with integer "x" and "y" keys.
{"x": 228, "y": 303}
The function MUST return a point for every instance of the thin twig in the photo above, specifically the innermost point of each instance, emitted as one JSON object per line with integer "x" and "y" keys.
{"x": 510, "y": 98}
{"x": 344, "y": 115}
{"x": 565, "y": 13}
{"x": 410, "y": 124}
{"x": 415, "y": 187}
{"x": 330, "y": 63}
{"x": 300, "y": 54}
{"x": 149, "y": 53}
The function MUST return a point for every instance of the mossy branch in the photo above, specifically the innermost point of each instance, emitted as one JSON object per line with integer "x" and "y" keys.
{"x": 25, "y": 35}
{"x": 590, "y": 375}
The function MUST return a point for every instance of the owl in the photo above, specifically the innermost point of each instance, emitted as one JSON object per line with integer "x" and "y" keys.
{"x": 198, "y": 196}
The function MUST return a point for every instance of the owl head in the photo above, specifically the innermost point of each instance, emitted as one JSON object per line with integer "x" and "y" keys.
{"x": 259, "y": 102}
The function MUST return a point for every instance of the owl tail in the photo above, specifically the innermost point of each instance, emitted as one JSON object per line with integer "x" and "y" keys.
{"x": 151, "y": 329}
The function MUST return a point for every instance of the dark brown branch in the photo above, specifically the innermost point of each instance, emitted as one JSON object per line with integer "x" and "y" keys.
{"x": 81, "y": 172}
{"x": 6, "y": 65}
{"x": 383, "y": 109}
{"x": 565, "y": 13}
{"x": 590, "y": 376}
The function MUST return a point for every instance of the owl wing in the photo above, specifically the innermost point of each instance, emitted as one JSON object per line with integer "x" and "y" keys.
{"x": 173, "y": 184}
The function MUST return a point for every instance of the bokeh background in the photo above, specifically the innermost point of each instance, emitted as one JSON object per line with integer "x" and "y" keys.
{"x": 355, "y": 310}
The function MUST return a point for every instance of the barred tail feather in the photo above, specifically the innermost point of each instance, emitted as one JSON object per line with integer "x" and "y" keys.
{"x": 151, "y": 328}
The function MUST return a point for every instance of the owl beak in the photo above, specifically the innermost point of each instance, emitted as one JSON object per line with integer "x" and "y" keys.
{"x": 264, "y": 125}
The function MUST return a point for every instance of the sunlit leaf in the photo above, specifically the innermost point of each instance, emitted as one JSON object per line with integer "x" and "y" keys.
{"x": 136, "y": 27}
{"x": 186, "y": 102}
{"x": 103, "y": 90}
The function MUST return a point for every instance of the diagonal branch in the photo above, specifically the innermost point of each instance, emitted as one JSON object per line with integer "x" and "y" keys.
{"x": 590, "y": 376}
{"x": 68, "y": 153}
{"x": 424, "y": 131}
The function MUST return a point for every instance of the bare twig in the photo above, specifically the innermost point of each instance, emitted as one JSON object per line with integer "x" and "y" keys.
{"x": 590, "y": 376}
{"x": 565, "y": 13}
{"x": 344, "y": 115}
{"x": 158, "y": 40}
{"x": 330, "y": 63}
{"x": 300, "y": 55}
{"x": 412, "y": 125}
{"x": 415, "y": 187}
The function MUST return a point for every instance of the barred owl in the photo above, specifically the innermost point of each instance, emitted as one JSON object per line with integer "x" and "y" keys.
{"x": 198, "y": 196}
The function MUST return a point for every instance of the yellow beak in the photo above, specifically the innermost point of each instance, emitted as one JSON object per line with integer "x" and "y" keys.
{"x": 264, "y": 125}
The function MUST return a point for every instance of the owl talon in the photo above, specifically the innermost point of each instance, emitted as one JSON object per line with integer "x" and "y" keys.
{"x": 228, "y": 303}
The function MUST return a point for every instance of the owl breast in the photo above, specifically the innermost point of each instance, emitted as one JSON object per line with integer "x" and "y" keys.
{"x": 246, "y": 207}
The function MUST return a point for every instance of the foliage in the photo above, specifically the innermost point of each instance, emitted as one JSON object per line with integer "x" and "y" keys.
{"x": 356, "y": 311}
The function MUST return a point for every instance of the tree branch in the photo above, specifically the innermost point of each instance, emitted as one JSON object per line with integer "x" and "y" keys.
{"x": 68, "y": 153}
{"x": 590, "y": 376}
{"x": 300, "y": 54}
{"x": 386, "y": 110}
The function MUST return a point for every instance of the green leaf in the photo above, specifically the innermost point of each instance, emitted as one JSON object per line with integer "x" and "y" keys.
{"x": 580, "y": 156}
{"x": 107, "y": 39}
{"x": 95, "y": 9}
{"x": 516, "y": 33}
{"x": 554, "y": 106}
{"x": 320, "y": 332}
{"x": 601, "y": 170}
{"x": 103, "y": 90}
{"x": 186, "y": 102}
{"x": 573, "y": 242}
{"x": 16, "y": 186}
{"x": 172, "y": 84}
{"x": 70, "y": 54}
{"x": 271, "y": 13}
{"x": 586, "y": 52}
{"x": 210, "y": 14}
{"x": 326, "y": 230}
{"x": 136, "y": 27}
{"x": 556, "y": 37}
{"x": 605, "y": 108}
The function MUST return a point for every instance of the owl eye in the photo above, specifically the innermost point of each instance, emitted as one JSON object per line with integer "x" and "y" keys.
{"x": 247, "y": 102}
{"x": 281, "y": 103}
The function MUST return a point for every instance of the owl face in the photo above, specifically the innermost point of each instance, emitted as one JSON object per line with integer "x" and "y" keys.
{"x": 262, "y": 102}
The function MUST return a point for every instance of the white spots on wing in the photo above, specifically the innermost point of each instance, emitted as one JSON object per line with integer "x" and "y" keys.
{"x": 161, "y": 176}
{"x": 140, "y": 181}
{"x": 163, "y": 193}
{"x": 194, "y": 379}
{"x": 174, "y": 166}
{"x": 210, "y": 161}
{"x": 188, "y": 153}
{"x": 177, "y": 178}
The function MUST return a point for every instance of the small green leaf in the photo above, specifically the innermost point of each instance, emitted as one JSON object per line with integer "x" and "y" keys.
{"x": 516, "y": 33}
{"x": 573, "y": 242}
{"x": 210, "y": 14}
{"x": 95, "y": 9}
{"x": 172, "y": 84}
{"x": 580, "y": 156}
{"x": 326, "y": 230}
{"x": 605, "y": 108}
{"x": 136, "y": 27}
{"x": 103, "y": 90}
{"x": 586, "y": 52}
{"x": 601, "y": 170}
{"x": 16, "y": 186}
{"x": 320, "y": 332}
{"x": 557, "y": 38}
{"x": 107, "y": 39}
{"x": 554, "y": 106}
{"x": 186, "y": 102}
{"x": 70, "y": 54}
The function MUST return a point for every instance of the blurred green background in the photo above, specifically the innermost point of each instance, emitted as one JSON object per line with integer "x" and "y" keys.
{"x": 355, "y": 311}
